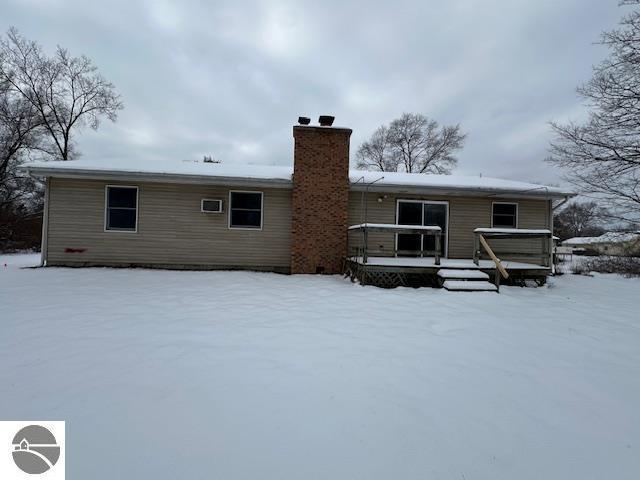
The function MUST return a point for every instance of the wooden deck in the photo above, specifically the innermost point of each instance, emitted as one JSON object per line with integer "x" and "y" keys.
{"x": 429, "y": 262}
{"x": 420, "y": 267}
{"x": 389, "y": 272}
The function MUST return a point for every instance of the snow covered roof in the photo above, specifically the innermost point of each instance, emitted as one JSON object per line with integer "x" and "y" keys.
{"x": 579, "y": 241}
{"x": 187, "y": 170}
{"x": 235, "y": 174}
{"x": 609, "y": 237}
{"x": 384, "y": 180}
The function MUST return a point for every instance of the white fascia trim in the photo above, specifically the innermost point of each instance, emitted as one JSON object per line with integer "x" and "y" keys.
{"x": 161, "y": 178}
{"x": 458, "y": 191}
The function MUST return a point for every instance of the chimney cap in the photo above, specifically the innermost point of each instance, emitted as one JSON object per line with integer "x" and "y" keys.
{"x": 326, "y": 120}
{"x": 304, "y": 120}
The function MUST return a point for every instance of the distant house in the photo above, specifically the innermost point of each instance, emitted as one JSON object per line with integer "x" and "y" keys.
{"x": 313, "y": 218}
{"x": 611, "y": 243}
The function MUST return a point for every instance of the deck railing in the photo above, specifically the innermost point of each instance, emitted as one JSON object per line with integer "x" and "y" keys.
{"x": 363, "y": 229}
{"x": 544, "y": 256}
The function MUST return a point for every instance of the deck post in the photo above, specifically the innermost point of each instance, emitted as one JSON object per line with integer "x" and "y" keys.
{"x": 438, "y": 252}
{"x": 365, "y": 247}
{"x": 476, "y": 249}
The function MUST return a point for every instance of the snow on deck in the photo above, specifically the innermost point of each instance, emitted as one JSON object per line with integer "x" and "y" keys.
{"x": 393, "y": 226}
{"x": 525, "y": 231}
{"x": 426, "y": 262}
{"x": 238, "y": 375}
{"x": 459, "y": 273}
{"x": 463, "y": 285}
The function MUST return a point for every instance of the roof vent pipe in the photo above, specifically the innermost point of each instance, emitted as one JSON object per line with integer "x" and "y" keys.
{"x": 326, "y": 120}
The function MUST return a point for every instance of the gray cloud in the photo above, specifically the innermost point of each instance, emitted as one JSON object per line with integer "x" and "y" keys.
{"x": 230, "y": 78}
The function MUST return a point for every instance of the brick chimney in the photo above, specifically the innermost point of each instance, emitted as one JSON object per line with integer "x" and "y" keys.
{"x": 320, "y": 198}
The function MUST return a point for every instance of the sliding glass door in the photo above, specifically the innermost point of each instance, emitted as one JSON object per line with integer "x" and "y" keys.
{"x": 419, "y": 212}
{"x": 409, "y": 213}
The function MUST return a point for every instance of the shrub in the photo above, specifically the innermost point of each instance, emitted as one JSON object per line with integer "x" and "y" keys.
{"x": 627, "y": 266}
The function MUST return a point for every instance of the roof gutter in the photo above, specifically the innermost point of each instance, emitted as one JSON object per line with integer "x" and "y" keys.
{"x": 116, "y": 175}
{"x": 561, "y": 203}
{"x": 157, "y": 177}
{"x": 542, "y": 193}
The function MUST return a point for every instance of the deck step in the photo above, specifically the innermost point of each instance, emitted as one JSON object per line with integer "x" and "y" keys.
{"x": 473, "y": 286}
{"x": 462, "y": 274}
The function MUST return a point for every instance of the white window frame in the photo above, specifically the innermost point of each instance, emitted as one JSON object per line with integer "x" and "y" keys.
{"x": 506, "y": 203}
{"x": 444, "y": 254}
{"x": 230, "y": 210}
{"x": 212, "y": 200}
{"x": 106, "y": 208}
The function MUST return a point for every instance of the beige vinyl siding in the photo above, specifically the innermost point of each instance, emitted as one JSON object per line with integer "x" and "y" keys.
{"x": 531, "y": 214}
{"x": 172, "y": 231}
{"x": 465, "y": 215}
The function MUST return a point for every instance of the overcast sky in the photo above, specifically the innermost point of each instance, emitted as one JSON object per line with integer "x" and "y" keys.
{"x": 230, "y": 78}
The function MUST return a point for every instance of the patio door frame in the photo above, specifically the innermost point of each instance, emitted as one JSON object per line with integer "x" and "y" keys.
{"x": 444, "y": 254}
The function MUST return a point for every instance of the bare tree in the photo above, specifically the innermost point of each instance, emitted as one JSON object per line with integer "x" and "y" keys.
{"x": 19, "y": 132}
{"x": 377, "y": 152}
{"x": 602, "y": 156}
{"x": 43, "y": 102}
{"x": 21, "y": 201}
{"x": 579, "y": 219}
{"x": 66, "y": 92}
{"x": 412, "y": 143}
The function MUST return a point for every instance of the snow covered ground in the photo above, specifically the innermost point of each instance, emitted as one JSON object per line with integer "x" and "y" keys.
{"x": 237, "y": 375}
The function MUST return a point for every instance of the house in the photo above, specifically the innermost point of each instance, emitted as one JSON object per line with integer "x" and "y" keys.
{"x": 611, "y": 243}
{"x": 316, "y": 217}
